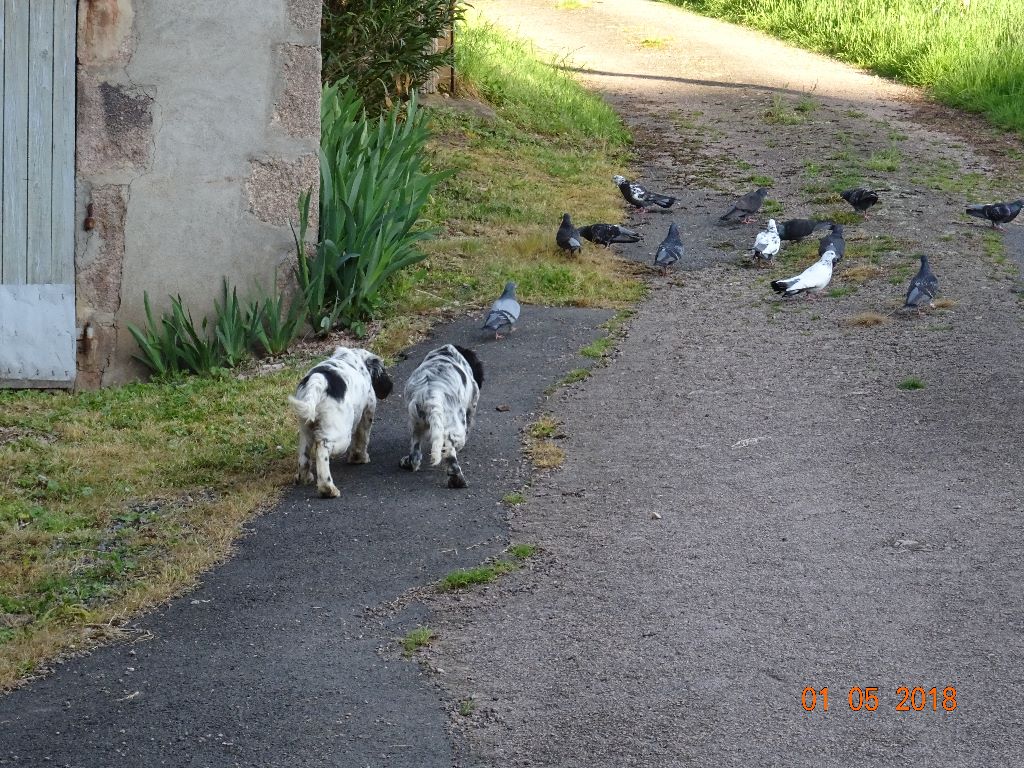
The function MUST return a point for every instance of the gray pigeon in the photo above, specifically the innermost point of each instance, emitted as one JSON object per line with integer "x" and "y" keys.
{"x": 504, "y": 311}
{"x": 798, "y": 229}
{"x": 997, "y": 213}
{"x": 923, "y": 287}
{"x": 568, "y": 237}
{"x": 606, "y": 234}
{"x": 641, "y": 198}
{"x": 861, "y": 199}
{"x": 834, "y": 241}
{"x": 670, "y": 251}
{"x": 746, "y": 206}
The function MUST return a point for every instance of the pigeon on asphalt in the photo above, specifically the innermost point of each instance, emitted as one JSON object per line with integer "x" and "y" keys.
{"x": 812, "y": 279}
{"x": 670, "y": 251}
{"x": 833, "y": 241}
{"x": 639, "y": 197}
{"x": 861, "y": 199}
{"x": 568, "y": 237}
{"x": 606, "y": 234}
{"x": 504, "y": 312}
{"x": 767, "y": 244}
{"x": 997, "y": 213}
{"x": 798, "y": 229}
{"x": 746, "y": 206}
{"x": 923, "y": 287}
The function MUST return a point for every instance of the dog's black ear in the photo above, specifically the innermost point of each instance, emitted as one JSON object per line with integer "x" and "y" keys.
{"x": 382, "y": 384}
{"x": 474, "y": 363}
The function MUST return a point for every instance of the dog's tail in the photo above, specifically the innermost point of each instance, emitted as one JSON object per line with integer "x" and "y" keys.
{"x": 437, "y": 437}
{"x": 312, "y": 393}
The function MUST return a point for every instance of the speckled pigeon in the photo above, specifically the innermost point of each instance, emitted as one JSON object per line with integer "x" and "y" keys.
{"x": 860, "y": 198}
{"x": 833, "y": 241}
{"x": 812, "y": 279}
{"x": 767, "y": 243}
{"x": 997, "y": 213}
{"x": 746, "y": 206}
{"x": 639, "y": 197}
{"x": 568, "y": 237}
{"x": 504, "y": 312}
{"x": 798, "y": 229}
{"x": 923, "y": 287}
{"x": 606, "y": 234}
{"x": 671, "y": 249}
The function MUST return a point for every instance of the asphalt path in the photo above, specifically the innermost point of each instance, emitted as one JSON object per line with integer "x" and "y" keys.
{"x": 280, "y": 658}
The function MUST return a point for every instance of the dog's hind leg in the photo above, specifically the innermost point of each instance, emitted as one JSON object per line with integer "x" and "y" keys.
{"x": 415, "y": 457}
{"x": 305, "y": 473}
{"x": 324, "y": 483}
{"x": 358, "y": 452}
{"x": 455, "y": 477}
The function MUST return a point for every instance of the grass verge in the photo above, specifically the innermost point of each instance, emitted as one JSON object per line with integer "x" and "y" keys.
{"x": 112, "y": 502}
{"x": 962, "y": 54}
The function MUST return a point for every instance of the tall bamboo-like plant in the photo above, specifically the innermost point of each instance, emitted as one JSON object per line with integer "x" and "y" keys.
{"x": 384, "y": 47}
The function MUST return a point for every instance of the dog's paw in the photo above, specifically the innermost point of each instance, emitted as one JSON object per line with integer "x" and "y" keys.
{"x": 358, "y": 457}
{"x": 457, "y": 481}
{"x": 329, "y": 491}
{"x": 410, "y": 463}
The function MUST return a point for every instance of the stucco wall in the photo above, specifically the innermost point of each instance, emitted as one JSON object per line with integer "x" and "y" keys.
{"x": 198, "y": 126}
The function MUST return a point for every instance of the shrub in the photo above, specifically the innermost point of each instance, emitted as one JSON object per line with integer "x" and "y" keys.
{"x": 384, "y": 47}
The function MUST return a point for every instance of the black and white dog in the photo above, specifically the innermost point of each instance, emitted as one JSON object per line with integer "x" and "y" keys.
{"x": 441, "y": 396}
{"x": 335, "y": 403}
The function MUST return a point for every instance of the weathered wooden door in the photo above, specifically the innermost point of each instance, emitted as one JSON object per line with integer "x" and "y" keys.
{"x": 37, "y": 176}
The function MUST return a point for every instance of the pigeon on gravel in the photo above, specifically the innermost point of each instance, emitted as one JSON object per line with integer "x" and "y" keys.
{"x": 860, "y": 198}
{"x": 746, "y": 206}
{"x": 606, "y": 234}
{"x": 813, "y": 279}
{"x": 767, "y": 244}
{"x": 798, "y": 229}
{"x": 639, "y": 197}
{"x": 833, "y": 241}
{"x": 504, "y": 312}
{"x": 923, "y": 287}
{"x": 997, "y": 213}
{"x": 670, "y": 251}
{"x": 568, "y": 237}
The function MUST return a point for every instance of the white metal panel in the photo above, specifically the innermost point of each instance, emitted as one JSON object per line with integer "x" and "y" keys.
{"x": 37, "y": 335}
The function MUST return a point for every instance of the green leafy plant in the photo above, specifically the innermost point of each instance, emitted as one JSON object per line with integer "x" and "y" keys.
{"x": 385, "y": 48}
{"x": 197, "y": 352}
{"x": 232, "y": 328}
{"x": 158, "y": 343}
{"x": 275, "y": 320}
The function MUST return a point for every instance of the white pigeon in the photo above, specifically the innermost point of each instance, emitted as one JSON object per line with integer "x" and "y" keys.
{"x": 812, "y": 279}
{"x": 767, "y": 243}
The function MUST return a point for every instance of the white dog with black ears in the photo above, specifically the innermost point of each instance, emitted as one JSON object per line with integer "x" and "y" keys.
{"x": 335, "y": 403}
{"x": 442, "y": 395}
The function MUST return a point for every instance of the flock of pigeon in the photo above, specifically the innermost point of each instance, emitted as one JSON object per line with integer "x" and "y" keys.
{"x": 831, "y": 248}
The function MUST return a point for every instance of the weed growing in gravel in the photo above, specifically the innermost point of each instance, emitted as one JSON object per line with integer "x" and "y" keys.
{"x": 522, "y": 551}
{"x": 463, "y": 578}
{"x": 576, "y": 375}
{"x": 944, "y": 303}
{"x": 771, "y": 207}
{"x": 467, "y": 707}
{"x": 416, "y": 639}
{"x": 761, "y": 181}
{"x": 780, "y": 113}
{"x": 514, "y": 498}
{"x": 544, "y": 427}
{"x": 911, "y": 383}
{"x": 597, "y": 349}
{"x": 546, "y": 455}
{"x": 865, "y": 319}
{"x": 887, "y": 160}
{"x": 840, "y": 291}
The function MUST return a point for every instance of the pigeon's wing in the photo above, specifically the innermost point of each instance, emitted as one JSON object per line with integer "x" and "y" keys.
{"x": 498, "y": 319}
{"x": 624, "y": 235}
{"x": 762, "y": 241}
{"x": 814, "y": 278}
{"x": 662, "y": 201}
{"x": 772, "y": 246}
{"x": 750, "y": 202}
{"x": 638, "y": 193}
{"x": 509, "y": 307}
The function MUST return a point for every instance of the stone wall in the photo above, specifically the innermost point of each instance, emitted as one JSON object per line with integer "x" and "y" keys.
{"x": 198, "y": 127}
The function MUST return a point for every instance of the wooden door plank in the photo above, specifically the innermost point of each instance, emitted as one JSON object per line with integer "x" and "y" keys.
{"x": 15, "y": 150}
{"x": 63, "y": 183}
{"x": 3, "y": 33}
{"x": 40, "y": 140}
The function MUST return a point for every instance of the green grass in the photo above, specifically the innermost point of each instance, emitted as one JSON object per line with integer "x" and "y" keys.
{"x": 416, "y": 639}
{"x": 968, "y": 58}
{"x": 522, "y": 551}
{"x": 576, "y": 375}
{"x": 463, "y": 578}
{"x": 598, "y": 348}
{"x": 911, "y": 383}
{"x": 544, "y": 427}
{"x": 467, "y": 707}
{"x": 513, "y": 498}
